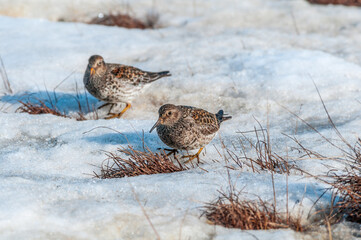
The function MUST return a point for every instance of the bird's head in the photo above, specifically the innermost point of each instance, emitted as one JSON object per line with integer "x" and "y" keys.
{"x": 96, "y": 65}
{"x": 169, "y": 114}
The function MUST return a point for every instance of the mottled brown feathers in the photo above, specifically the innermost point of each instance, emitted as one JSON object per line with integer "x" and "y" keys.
{"x": 116, "y": 83}
{"x": 185, "y": 127}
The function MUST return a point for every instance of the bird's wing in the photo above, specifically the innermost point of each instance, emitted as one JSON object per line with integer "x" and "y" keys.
{"x": 127, "y": 74}
{"x": 205, "y": 121}
{"x": 133, "y": 75}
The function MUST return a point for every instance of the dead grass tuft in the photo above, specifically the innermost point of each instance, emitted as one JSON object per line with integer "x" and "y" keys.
{"x": 49, "y": 105}
{"x": 126, "y": 21}
{"x": 39, "y": 108}
{"x": 138, "y": 163}
{"x": 232, "y": 212}
{"x": 348, "y": 187}
{"x": 337, "y": 2}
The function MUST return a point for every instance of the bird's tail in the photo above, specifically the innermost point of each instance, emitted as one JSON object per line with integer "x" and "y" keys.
{"x": 220, "y": 116}
{"x": 156, "y": 75}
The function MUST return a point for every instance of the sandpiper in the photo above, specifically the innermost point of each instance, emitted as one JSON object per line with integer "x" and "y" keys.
{"x": 116, "y": 83}
{"x": 187, "y": 128}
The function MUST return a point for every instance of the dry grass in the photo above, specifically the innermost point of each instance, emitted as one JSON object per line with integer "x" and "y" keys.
{"x": 126, "y": 20}
{"x": 120, "y": 20}
{"x": 49, "y": 105}
{"x": 265, "y": 158}
{"x": 39, "y": 108}
{"x": 138, "y": 163}
{"x": 258, "y": 154}
{"x": 341, "y": 2}
{"x": 232, "y": 212}
{"x": 346, "y": 185}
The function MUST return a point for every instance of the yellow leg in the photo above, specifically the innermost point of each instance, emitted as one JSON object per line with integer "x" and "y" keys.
{"x": 191, "y": 157}
{"x": 118, "y": 115}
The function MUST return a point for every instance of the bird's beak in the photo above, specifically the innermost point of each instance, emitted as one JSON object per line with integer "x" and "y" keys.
{"x": 155, "y": 125}
{"x": 92, "y": 71}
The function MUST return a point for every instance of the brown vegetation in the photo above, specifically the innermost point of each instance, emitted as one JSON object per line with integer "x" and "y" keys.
{"x": 348, "y": 185}
{"x": 138, "y": 163}
{"x": 348, "y": 188}
{"x": 341, "y": 2}
{"x": 39, "y": 108}
{"x": 126, "y": 21}
{"x": 232, "y": 212}
{"x": 35, "y": 105}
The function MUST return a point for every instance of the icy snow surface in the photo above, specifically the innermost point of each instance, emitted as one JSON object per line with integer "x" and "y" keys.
{"x": 248, "y": 58}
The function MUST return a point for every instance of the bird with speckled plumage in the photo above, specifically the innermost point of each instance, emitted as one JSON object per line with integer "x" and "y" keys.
{"x": 116, "y": 83}
{"x": 187, "y": 128}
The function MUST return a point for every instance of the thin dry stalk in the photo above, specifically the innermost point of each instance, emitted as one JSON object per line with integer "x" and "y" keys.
{"x": 138, "y": 163}
{"x": 232, "y": 212}
{"x": 144, "y": 212}
{"x": 5, "y": 78}
{"x": 87, "y": 109}
{"x": 295, "y": 24}
{"x": 307, "y": 153}
{"x": 151, "y": 19}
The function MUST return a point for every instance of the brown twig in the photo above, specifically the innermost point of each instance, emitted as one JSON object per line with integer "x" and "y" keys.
{"x": 143, "y": 210}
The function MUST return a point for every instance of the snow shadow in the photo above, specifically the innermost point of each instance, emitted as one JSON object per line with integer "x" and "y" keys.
{"x": 114, "y": 138}
{"x": 322, "y": 124}
{"x": 64, "y": 102}
{"x": 298, "y": 192}
{"x": 135, "y": 139}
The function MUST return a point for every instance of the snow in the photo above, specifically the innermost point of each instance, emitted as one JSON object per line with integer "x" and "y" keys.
{"x": 249, "y": 58}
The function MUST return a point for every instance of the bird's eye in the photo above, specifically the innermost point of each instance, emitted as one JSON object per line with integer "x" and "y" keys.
{"x": 99, "y": 63}
{"x": 169, "y": 113}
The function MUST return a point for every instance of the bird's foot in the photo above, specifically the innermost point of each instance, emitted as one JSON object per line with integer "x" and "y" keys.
{"x": 113, "y": 115}
{"x": 118, "y": 115}
{"x": 170, "y": 151}
{"x": 191, "y": 157}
